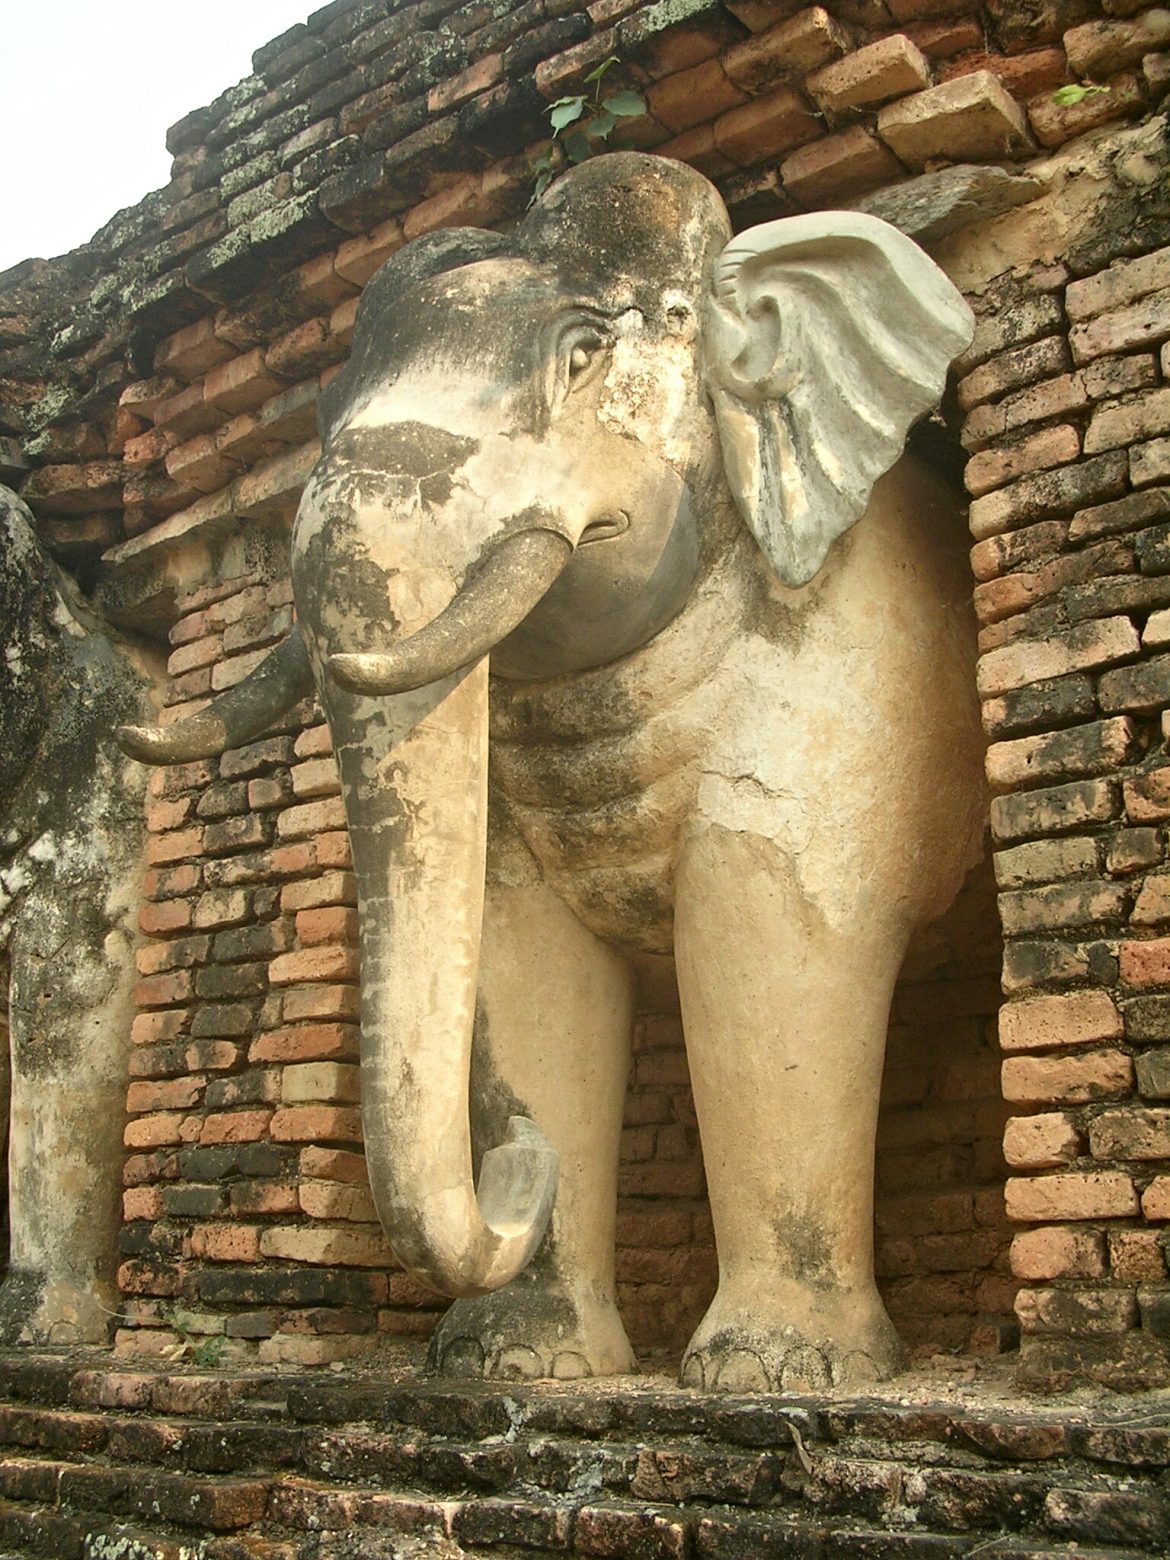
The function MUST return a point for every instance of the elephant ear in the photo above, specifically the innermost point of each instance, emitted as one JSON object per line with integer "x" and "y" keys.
{"x": 825, "y": 337}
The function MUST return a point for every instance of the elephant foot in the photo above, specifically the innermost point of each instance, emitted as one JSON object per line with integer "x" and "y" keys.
{"x": 841, "y": 1343}
{"x": 531, "y": 1333}
{"x": 39, "y": 1310}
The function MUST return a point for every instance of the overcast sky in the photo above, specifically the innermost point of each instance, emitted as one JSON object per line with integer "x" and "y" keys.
{"x": 89, "y": 89}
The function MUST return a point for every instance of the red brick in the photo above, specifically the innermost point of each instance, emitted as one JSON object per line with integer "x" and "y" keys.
{"x": 330, "y": 924}
{"x": 191, "y": 351}
{"x": 1043, "y": 1023}
{"x": 692, "y": 97}
{"x": 765, "y": 128}
{"x": 790, "y": 49}
{"x": 1013, "y": 369}
{"x": 316, "y": 777}
{"x": 970, "y": 119}
{"x": 333, "y": 1164}
{"x": 1124, "y": 282}
{"x": 171, "y": 915}
{"x": 1099, "y": 642}
{"x": 1156, "y": 1199}
{"x": 142, "y": 1202}
{"x": 1049, "y": 494}
{"x": 324, "y": 1002}
{"x": 303, "y": 351}
{"x": 225, "y": 1242}
{"x": 174, "y": 846}
{"x": 311, "y": 818}
{"x": 330, "y": 1200}
{"x": 345, "y": 1247}
{"x": 837, "y": 167}
{"x": 154, "y": 1131}
{"x": 320, "y": 1081}
{"x": 1145, "y": 964}
{"x": 317, "y": 1124}
{"x": 1122, "y": 329}
{"x": 1077, "y": 1079}
{"x": 1093, "y": 1194}
{"x": 153, "y": 1028}
{"x": 165, "y": 990}
{"x": 1049, "y": 447}
{"x": 236, "y": 1126}
{"x": 1041, "y": 1142}
{"x": 1097, "y": 49}
{"x": 240, "y": 384}
{"x": 1095, "y": 748}
{"x": 264, "y": 1197}
{"x": 1058, "y": 1251}
{"x": 331, "y": 888}
{"x": 171, "y": 1094}
{"x": 889, "y": 68}
{"x": 328, "y": 963}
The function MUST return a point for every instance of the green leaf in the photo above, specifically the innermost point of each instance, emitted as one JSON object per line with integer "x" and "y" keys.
{"x": 577, "y": 146}
{"x": 600, "y": 125}
{"x": 625, "y": 105}
{"x": 599, "y": 70}
{"x": 565, "y": 111}
{"x": 544, "y": 162}
{"x": 1066, "y": 97}
{"x": 543, "y": 180}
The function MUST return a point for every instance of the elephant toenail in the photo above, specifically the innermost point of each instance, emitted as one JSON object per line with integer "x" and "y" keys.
{"x": 742, "y": 1370}
{"x": 518, "y": 1361}
{"x": 693, "y": 1374}
{"x": 805, "y": 1370}
{"x": 462, "y": 1357}
{"x": 570, "y": 1366}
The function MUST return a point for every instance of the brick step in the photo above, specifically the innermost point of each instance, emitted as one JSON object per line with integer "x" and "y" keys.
{"x": 273, "y": 1458}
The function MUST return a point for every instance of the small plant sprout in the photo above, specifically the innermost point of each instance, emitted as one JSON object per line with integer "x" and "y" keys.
{"x": 581, "y": 124}
{"x": 1066, "y": 97}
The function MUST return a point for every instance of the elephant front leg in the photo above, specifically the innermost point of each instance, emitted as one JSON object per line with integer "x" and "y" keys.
{"x": 785, "y": 1017}
{"x": 552, "y": 1044}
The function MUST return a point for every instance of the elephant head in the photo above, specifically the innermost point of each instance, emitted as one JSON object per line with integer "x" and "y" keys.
{"x": 542, "y": 442}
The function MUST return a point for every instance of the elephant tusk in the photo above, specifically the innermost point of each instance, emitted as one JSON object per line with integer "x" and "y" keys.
{"x": 499, "y": 597}
{"x": 238, "y": 715}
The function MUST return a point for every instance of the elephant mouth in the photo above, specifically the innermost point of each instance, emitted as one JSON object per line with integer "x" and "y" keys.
{"x": 606, "y": 528}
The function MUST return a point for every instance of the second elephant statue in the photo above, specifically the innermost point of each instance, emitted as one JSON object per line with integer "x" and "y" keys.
{"x": 652, "y": 478}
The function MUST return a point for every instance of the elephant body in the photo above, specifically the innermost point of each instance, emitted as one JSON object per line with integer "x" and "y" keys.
{"x": 652, "y": 478}
{"x": 71, "y": 840}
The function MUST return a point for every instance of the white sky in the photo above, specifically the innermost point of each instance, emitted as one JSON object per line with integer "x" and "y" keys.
{"x": 88, "y": 90}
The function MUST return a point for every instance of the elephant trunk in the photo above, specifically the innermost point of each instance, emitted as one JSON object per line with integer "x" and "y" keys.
{"x": 414, "y": 775}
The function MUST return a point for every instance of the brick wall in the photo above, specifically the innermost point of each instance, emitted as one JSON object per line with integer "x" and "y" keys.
{"x": 1066, "y": 417}
{"x": 157, "y": 399}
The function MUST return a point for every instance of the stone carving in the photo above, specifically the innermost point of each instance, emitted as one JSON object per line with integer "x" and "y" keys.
{"x": 71, "y": 836}
{"x": 755, "y": 745}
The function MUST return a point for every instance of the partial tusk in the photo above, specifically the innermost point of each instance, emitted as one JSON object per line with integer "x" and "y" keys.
{"x": 238, "y": 715}
{"x": 500, "y": 596}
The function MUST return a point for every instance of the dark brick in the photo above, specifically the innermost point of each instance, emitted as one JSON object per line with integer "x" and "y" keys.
{"x": 198, "y": 1202}
{"x": 223, "y": 799}
{"x": 1054, "y": 701}
{"x": 221, "y": 982}
{"x": 489, "y": 1521}
{"x": 1148, "y": 1018}
{"x": 359, "y": 197}
{"x": 541, "y": 43}
{"x": 251, "y": 1088}
{"x": 1153, "y": 546}
{"x": 275, "y": 1285}
{"x": 233, "y": 834}
{"x": 1144, "y": 686}
{"x": 223, "y": 1020}
{"x": 393, "y": 127}
{"x": 1105, "y": 598}
{"x": 502, "y": 121}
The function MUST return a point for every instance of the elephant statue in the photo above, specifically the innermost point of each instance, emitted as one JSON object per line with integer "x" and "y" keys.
{"x": 71, "y": 841}
{"x": 652, "y": 476}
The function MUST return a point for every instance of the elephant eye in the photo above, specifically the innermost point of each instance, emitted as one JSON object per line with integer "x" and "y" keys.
{"x": 583, "y": 354}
